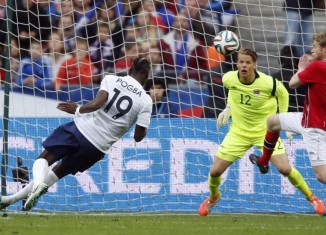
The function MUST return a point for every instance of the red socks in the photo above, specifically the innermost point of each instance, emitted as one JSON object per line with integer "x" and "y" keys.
{"x": 268, "y": 149}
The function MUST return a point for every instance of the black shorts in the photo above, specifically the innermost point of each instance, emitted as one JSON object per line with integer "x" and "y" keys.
{"x": 69, "y": 145}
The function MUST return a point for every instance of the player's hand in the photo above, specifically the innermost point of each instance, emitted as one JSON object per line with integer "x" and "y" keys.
{"x": 289, "y": 135}
{"x": 304, "y": 61}
{"x": 68, "y": 107}
{"x": 224, "y": 116}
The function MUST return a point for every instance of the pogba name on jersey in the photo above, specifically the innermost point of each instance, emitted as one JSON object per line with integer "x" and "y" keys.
{"x": 129, "y": 87}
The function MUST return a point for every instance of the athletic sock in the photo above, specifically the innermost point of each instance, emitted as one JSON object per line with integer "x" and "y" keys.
{"x": 268, "y": 149}
{"x": 297, "y": 181}
{"x": 214, "y": 183}
{"x": 49, "y": 180}
{"x": 21, "y": 194}
{"x": 40, "y": 171}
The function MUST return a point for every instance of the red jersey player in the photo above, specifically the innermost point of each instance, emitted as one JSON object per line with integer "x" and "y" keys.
{"x": 311, "y": 123}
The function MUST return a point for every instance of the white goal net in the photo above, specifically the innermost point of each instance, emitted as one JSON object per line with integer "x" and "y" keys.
{"x": 52, "y": 51}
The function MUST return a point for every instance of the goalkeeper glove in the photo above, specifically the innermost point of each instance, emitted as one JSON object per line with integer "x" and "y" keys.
{"x": 224, "y": 116}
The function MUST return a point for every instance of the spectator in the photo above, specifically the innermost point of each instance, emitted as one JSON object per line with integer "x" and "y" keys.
{"x": 77, "y": 70}
{"x": 149, "y": 30}
{"x": 81, "y": 8}
{"x": 50, "y": 7}
{"x": 162, "y": 108}
{"x": 144, "y": 48}
{"x": 107, "y": 14}
{"x": 29, "y": 21}
{"x": 102, "y": 51}
{"x": 217, "y": 13}
{"x": 3, "y": 4}
{"x": 3, "y": 21}
{"x": 224, "y": 11}
{"x": 14, "y": 67}
{"x": 66, "y": 7}
{"x": 164, "y": 11}
{"x": 289, "y": 60}
{"x": 214, "y": 57}
{"x": 216, "y": 101}
{"x": 218, "y": 65}
{"x": 155, "y": 57}
{"x": 14, "y": 58}
{"x": 299, "y": 24}
{"x": 149, "y": 6}
{"x": 124, "y": 12}
{"x": 35, "y": 70}
{"x": 14, "y": 48}
{"x": 183, "y": 56}
{"x": 131, "y": 34}
{"x": 66, "y": 28}
{"x": 131, "y": 53}
{"x": 55, "y": 54}
{"x": 84, "y": 11}
{"x": 126, "y": 9}
{"x": 59, "y": 8}
{"x": 203, "y": 22}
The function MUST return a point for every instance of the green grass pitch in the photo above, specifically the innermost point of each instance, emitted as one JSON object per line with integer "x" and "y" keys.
{"x": 159, "y": 224}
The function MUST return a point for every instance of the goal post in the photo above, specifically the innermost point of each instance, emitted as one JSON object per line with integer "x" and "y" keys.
{"x": 5, "y": 117}
{"x": 60, "y": 50}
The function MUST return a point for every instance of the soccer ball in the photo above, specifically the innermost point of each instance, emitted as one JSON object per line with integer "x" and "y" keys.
{"x": 226, "y": 42}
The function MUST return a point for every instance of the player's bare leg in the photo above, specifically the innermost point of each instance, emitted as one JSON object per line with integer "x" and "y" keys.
{"x": 320, "y": 172}
{"x": 281, "y": 162}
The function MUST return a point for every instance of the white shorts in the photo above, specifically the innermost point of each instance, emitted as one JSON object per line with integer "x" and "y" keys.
{"x": 314, "y": 138}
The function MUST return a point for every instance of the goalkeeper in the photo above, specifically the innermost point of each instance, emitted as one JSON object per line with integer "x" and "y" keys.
{"x": 252, "y": 97}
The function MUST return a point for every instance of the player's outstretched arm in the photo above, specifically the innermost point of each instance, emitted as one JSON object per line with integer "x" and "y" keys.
{"x": 140, "y": 133}
{"x": 93, "y": 105}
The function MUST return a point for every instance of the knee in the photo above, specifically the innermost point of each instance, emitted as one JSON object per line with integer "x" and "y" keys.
{"x": 285, "y": 170}
{"x": 321, "y": 178}
{"x": 273, "y": 123}
{"x": 214, "y": 172}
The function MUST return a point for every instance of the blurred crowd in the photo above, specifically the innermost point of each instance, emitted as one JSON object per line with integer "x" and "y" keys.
{"x": 56, "y": 43}
{"x": 61, "y": 45}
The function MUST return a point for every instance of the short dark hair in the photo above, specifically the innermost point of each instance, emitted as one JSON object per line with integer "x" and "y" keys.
{"x": 247, "y": 51}
{"x": 141, "y": 65}
{"x": 156, "y": 81}
{"x": 289, "y": 56}
{"x": 129, "y": 45}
